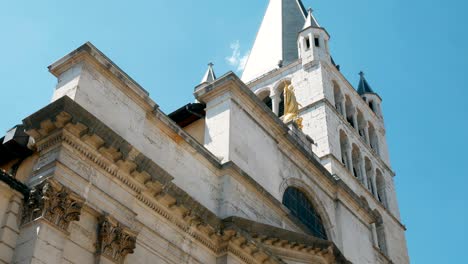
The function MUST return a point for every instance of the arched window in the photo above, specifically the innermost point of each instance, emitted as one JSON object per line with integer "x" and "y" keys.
{"x": 280, "y": 91}
{"x": 356, "y": 157}
{"x": 380, "y": 232}
{"x": 265, "y": 97}
{"x": 344, "y": 144}
{"x": 370, "y": 176}
{"x": 338, "y": 98}
{"x": 281, "y": 105}
{"x": 381, "y": 193}
{"x": 297, "y": 202}
{"x": 371, "y": 105}
{"x": 349, "y": 111}
{"x": 361, "y": 125}
{"x": 374, "y": 140}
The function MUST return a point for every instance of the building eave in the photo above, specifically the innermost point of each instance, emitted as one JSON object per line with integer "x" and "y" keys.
{"x": 89, "y": 53}
{"x": 14, "y": 184}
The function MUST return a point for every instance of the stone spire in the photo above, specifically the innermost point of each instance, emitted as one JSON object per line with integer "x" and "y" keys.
{"x": 364, "y": 87}
{"x": 209, "y": 76}
{"x": 276, "y": 39}
{"x": 310, "y": 20}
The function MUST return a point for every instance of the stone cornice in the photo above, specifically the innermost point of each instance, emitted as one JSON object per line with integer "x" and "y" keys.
{"x": 270, "y": 237}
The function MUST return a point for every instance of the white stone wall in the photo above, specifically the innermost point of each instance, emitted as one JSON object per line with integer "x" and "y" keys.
{"x": 355, "y": 236}
{"x": 10, "y": 204}
{"x": 197, "y": 130}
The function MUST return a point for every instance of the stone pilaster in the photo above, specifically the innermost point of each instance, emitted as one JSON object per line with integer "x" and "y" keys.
{"x": 9, "y": 228}
{"x": 115, "y": 241}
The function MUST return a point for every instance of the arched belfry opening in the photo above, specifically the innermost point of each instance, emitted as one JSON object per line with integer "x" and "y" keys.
{"x": 381, "y": 188}
{"x": 266, "y": 98}
{"x": 344, "y": 147}
{"x": 302, "y": 208}
{"x": 280, "y": 92}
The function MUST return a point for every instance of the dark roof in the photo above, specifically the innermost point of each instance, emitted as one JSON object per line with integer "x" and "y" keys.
{"x": 14, "y": 145}
{"x": 188, "y": 114}
{"x": 364, "y": 87}
{"x": 14, "y": 184}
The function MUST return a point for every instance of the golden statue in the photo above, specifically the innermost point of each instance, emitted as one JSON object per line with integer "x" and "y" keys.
{"x": 291, "y": 106}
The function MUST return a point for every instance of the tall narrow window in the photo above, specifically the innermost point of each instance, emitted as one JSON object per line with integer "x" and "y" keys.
{"x": 381, "y": 192}
{"x": 281, "y": 106}
{"x": 381, "y": 237}
{"x": 317, "y": 41}
{"x": 307, "y": 43}
{"x": 297, "y": 202}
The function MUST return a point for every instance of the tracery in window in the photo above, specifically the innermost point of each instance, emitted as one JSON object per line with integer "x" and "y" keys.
{"x": 300, "y": 206}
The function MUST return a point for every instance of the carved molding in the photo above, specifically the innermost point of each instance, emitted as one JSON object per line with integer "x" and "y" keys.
{"x": 115, "y": 241}
{"x": 53, "y": 202}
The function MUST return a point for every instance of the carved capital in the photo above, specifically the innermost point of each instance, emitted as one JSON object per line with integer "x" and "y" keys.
{"x": 53, "y": 202}
{"x": 115, "y": 241}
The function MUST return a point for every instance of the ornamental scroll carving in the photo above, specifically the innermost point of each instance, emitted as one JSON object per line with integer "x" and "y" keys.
{"x": 53, "y": 202}
{"x": 115, "y": 241}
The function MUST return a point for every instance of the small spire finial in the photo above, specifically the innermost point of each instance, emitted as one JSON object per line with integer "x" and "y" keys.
{"x": 209, "y": 76}
{"x": 310, "y": 20}
{"x": 361, "y": 73}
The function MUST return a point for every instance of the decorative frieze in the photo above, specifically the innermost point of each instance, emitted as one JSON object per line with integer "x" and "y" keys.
{"x": 115, "y": 241}
{"x": 53, "y": 202}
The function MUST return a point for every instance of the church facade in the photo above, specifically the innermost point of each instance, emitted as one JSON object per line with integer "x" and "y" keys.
{"x": 286, "y": 164}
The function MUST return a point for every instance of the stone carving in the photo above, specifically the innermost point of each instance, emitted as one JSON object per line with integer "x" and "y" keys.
{"x": 51, "y": 201}
{"x": 291, "y": 106}
{"x": 115, "y": 242}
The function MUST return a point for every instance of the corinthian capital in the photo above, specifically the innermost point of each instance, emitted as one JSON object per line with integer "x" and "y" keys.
{"x": 115, "y": 241}
{"x": 53, "y": 202}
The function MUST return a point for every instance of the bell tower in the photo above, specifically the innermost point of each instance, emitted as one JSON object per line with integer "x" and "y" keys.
{"x": 345, "y": 124}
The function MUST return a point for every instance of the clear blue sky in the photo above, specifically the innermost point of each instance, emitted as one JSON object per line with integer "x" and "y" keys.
{"x": 414, "y": 54}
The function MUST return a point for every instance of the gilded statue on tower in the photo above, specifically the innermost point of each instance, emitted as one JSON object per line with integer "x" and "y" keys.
{"x": 291, "y": 106}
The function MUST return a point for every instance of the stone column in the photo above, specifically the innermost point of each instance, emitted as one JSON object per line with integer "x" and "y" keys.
{"x": 343, "y": 109}
{"x": 350, "y": 159}
{"x": 115, "y": 241}
{"x": 364, "y": 174}
{"x": 46, "y": 217}
{"x": 275, "y": 100}
{"x": 374, "y": 235}
{"x": 366, "y": 132}
{"x": 9, "y": 228}
{"x": 356, "y": 125}
{"x": 375, "y": 188}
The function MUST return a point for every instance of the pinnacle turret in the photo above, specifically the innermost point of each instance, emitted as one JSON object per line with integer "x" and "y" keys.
{"x": 310, "y": 20}
{"x": 364, "y": 87}
{"x": 209, "y": 76}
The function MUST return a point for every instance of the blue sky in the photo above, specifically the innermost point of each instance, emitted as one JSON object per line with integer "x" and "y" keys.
{"x": 413, "y": 52}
